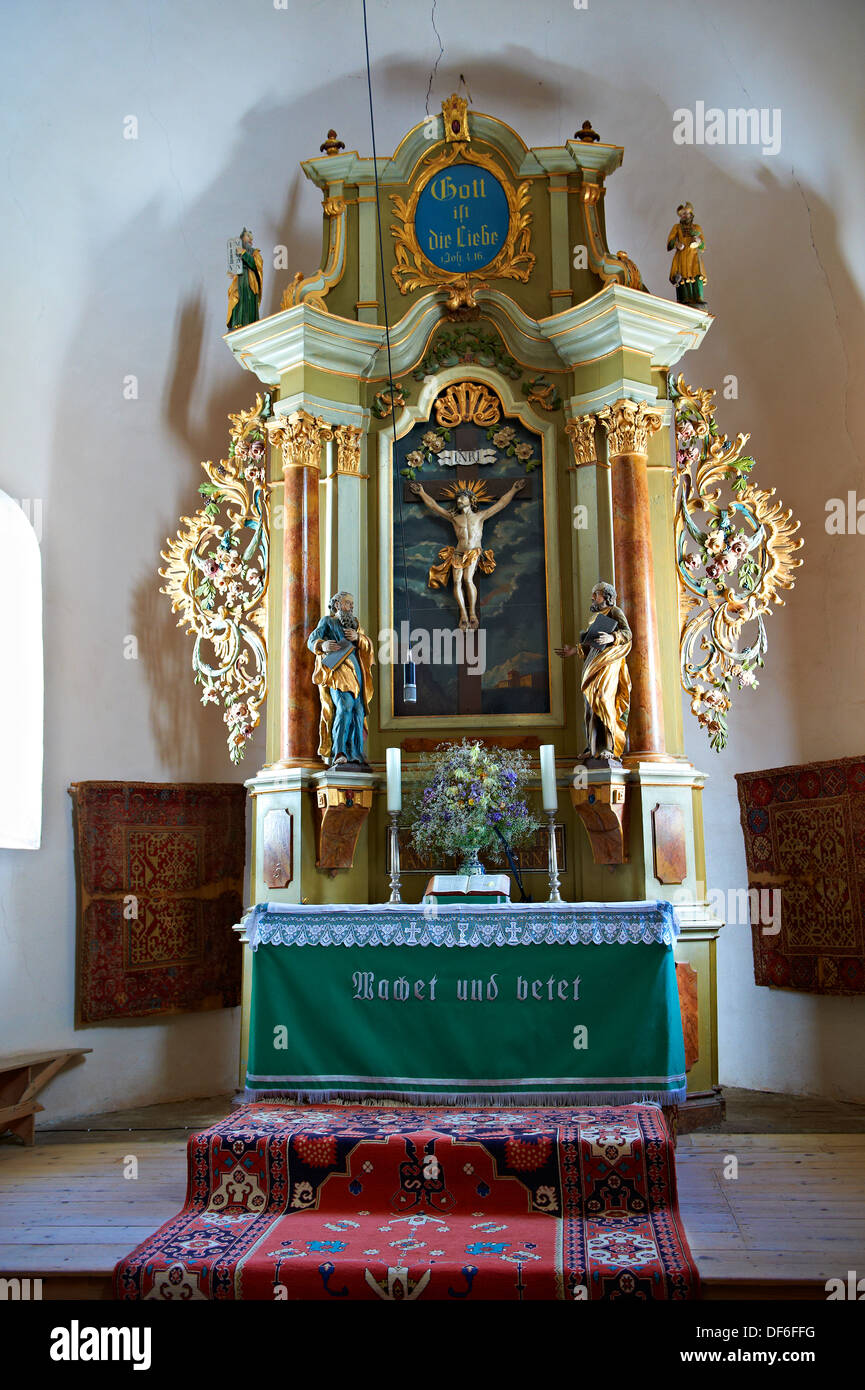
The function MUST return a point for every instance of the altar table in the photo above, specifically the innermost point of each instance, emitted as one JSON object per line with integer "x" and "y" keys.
{"x": 572, "y": 1003}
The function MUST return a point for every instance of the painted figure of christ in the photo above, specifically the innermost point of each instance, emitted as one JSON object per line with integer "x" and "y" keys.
{"x": 461, "y": 561}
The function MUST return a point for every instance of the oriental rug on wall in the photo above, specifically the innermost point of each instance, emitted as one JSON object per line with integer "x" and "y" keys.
{"x": 335, "y": 1203}
{"x": 159, "y": 874}
{"x": 804, "y": 833}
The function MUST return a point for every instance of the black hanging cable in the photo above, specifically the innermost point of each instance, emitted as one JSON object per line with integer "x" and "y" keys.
{"x": 409, "y": 686}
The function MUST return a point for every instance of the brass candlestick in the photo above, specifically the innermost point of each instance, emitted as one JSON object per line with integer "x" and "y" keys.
{"x": 555, "y": 895}
{"x": 393, "y": 854}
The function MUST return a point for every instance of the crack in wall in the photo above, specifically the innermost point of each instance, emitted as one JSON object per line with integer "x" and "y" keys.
{"x": 435, "y": 67}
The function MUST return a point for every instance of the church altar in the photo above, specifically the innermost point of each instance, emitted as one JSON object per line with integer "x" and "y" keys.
{"x": 476, "y": 499}
{"x": 570, "y": 1003}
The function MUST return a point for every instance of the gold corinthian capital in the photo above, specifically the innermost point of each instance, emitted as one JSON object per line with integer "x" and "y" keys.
{"x": 348, "y": 449}
{"x": 300, "y": 436}
{"x": 629, "y": 426}
{"x": 581, "y": 432}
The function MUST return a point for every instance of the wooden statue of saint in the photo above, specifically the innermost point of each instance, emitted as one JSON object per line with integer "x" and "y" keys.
{"x": 605, "y": 680}
{"x": 343, "y": 673}
{"x": 460, "y": 562}
{"x": 244, "y": 292}
{"x": 687, "y": 272}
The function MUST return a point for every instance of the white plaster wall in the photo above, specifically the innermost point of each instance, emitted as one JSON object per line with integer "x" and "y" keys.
{"x": 115, "y": 265}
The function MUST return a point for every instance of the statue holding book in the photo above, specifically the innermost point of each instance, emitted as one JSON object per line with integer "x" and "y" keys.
{"x": 605, "y": 680}
{"x": 343, "y": 674}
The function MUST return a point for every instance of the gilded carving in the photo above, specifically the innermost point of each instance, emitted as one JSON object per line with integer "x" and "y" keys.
{"x": 541, "y": 393}
{"x": 300, "y": 436}
{"x": 467, "y": 402}
{"x": 629, "y": 426}
{"x": 456, "y": 118}
{"x": 581, "y": 432}
{"x": 619, "y": 268}
{"x": 386, "y": 401}
{"x": 314, "y": 289}
{"x": 216, "y": 575}
{"x": 732, "y": 560}
{"x": 514, "y": 262}
{"x": 348, "y": 439}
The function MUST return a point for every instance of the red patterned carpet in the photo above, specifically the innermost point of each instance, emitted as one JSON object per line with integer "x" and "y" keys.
{"x": 348, "y": 1202}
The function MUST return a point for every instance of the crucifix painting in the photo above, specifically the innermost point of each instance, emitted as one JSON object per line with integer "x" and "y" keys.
{"x": 469, "y": 559}
{"x": 461, "y": 561}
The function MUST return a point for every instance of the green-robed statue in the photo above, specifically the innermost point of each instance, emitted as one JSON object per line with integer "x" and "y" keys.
{"x": 244, "y": 292}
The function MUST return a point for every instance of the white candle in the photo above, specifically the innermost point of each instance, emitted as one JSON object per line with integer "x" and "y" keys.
{"x": 549, "y": 795}
{"x": 394, "y": 779}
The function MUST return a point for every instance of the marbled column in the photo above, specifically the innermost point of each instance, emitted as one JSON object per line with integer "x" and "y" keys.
{"x": 300, "y": 436}
{"x": 629, "y": 424}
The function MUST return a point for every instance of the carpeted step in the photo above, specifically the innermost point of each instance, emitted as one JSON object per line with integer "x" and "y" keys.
{"x": 320, "y": 1202}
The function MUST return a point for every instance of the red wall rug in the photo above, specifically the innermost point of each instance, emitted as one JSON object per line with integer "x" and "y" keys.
{"x": 159, "y": 871}
{"x": 804, "y": 831}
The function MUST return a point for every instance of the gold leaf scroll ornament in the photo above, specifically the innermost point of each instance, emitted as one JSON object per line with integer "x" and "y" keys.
{"x": 733, "y": 559}
{"x": 414, "y": 271}
{"x": 216, "y": 576}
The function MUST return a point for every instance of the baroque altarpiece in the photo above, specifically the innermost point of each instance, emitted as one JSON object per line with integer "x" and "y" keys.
{"x": 529, "y": 370}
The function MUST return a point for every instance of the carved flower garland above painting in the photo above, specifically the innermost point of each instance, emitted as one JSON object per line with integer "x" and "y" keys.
{"x": 450, "y": 349}
{"x": 732, "y": 557}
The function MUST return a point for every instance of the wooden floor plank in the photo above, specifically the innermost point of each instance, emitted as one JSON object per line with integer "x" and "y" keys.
{"x": 795, "y": 1212}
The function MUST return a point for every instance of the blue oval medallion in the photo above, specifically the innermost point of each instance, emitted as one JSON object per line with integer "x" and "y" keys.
{"x": 461, "y": 220}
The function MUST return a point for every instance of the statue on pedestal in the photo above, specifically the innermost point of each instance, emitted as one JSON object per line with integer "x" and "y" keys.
{"x": 687, "y": 272}
{"x": 462, "y": 560}
{"x": 605, "y": 681}
{"x": 244, "y": 292}
{"x": 343, "y": 674}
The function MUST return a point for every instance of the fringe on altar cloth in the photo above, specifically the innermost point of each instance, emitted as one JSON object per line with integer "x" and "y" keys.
{"x": 380, "y": 1100}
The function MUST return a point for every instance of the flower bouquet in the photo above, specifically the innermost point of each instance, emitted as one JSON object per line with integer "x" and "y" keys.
{"x": 473, "y": 798}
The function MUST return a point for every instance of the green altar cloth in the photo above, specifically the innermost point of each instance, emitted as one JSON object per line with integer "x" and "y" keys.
{"x": 569, "y": 1004}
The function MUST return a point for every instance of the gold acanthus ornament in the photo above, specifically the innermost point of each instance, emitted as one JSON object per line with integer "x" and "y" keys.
{"x": 347, "y": 438}
{"x": 581, "y": 432}
{"x": 300, "y": 437}
{"x": 216, "y": 574}
{"x": 629, "y": 426}
{"x": 733, "y": 557}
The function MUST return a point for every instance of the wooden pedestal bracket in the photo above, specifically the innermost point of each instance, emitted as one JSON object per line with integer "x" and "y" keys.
{"x": 604, "y": 808}
{"x": 340, "y": 814}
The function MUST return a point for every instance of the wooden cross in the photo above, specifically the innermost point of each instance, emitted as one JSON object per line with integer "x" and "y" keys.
{"x": 438, "y": 488}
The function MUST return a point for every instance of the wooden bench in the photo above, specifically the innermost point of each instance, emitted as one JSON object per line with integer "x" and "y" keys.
{"x": 22, "y": 1076}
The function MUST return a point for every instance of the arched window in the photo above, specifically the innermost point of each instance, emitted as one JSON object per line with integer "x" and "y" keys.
{"x": 21, "y": 687}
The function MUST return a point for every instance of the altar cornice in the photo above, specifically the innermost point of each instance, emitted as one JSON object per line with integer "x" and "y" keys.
{"x": 615, "y": 319}
{"x": 574, "y": 157}
{"x": 620, "y": 317}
